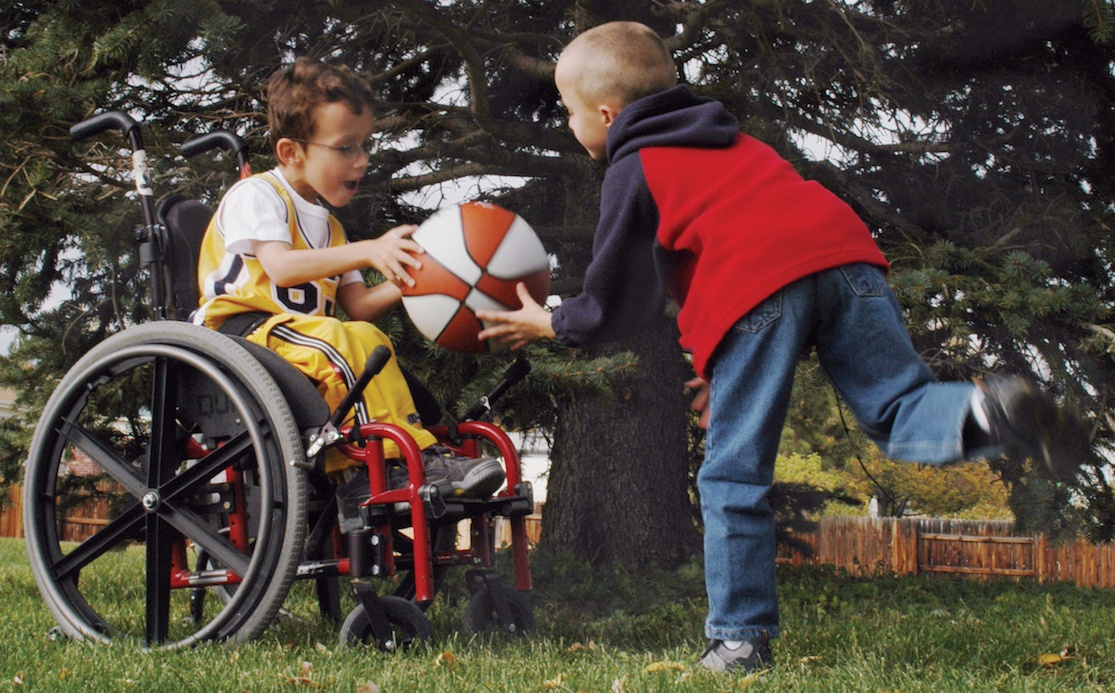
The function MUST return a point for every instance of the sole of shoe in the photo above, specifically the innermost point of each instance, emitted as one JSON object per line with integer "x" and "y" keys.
{"x": 1060, "y": 443}
{"x": 482, "y": 480}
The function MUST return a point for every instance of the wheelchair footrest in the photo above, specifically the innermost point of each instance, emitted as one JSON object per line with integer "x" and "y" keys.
{"x": 522, "y": 503}
{"x": 512, "y": 506}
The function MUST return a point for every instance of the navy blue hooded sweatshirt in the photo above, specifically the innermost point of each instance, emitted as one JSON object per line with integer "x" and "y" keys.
{"x": 692, "y": 209}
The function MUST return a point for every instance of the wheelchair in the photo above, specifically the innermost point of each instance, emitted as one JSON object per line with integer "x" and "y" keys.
{"x": 206, "y": 451}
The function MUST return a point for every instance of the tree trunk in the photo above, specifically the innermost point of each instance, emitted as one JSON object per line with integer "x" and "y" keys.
{"x": 618, "y": 490}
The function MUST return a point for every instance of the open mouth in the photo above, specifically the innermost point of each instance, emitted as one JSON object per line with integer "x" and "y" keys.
{"x": 351, "y": 185}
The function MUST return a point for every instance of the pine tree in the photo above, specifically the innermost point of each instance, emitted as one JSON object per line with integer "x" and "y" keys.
{"x": 978, "y": 149}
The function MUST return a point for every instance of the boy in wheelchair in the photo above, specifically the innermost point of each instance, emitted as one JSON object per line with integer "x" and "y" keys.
{"x": 275, "y": 263}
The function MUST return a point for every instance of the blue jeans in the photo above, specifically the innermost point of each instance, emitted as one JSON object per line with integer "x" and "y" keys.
{"x": 851, "y": 317}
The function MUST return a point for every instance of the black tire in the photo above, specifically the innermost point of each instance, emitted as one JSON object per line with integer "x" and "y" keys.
{"x": 409, "y": 625}
{"x": 126, "y": 407}
{"x": 483, "y": 615}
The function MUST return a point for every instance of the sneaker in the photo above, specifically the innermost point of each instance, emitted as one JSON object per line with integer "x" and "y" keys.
{"x": 350, "y": 495}
{"x": 476, "y": 477}
{"x": 1028, "y": 423}
{"x": 357, "y": 489}
{"x": 752, "y": 655}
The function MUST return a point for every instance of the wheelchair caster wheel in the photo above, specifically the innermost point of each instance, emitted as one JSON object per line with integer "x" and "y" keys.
{"x": 496, "y": 605}
{"x": 406, "y": 623}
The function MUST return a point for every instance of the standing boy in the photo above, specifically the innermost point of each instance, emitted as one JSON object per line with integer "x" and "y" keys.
{"x": 275, "y": 255}
{"x": 763, "y": 265}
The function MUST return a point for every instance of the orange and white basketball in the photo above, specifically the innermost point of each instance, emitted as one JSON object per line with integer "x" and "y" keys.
{"x": 476, "y": 253}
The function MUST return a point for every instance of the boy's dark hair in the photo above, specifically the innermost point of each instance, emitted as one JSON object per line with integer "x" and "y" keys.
{"x": 293, "y": 93}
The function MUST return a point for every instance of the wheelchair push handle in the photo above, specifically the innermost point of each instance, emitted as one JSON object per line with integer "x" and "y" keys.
{"x": 140, "y": 172}
{"x": 107, "y": 121}
{"x": 219, "y": 139}
{"x": 130, "y": 128}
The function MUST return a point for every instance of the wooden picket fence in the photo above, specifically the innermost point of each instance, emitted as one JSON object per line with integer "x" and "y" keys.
{"x": 11, "y": 514}
{"x": 81, "y": 521}
{"x": 860, "y": 545}
{"x": 973, "y": 548}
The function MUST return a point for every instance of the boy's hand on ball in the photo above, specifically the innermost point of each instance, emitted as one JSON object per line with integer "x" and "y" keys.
{"x": 392, "y": 253}
{"x": 517, "y": 328}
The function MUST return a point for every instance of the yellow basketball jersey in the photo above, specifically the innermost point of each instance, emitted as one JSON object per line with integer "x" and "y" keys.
{"x": 302, "y": 328}
{"x": 234, "y": 283}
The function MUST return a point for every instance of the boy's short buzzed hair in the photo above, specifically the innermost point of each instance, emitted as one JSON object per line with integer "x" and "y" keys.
{"x": 292, "y": 94}
{"x": 622, "y": 61}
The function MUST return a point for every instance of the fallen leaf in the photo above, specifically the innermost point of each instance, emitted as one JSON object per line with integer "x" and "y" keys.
{"x": 1053, "y": 659}
{"x": 368, "y": 687}
{"x": 617, "y": 685}
{"x": 304, "y": 679}
{"x": 446, "y": 659}
{"x": 301, "y": 681}
{"x": 555, "y": 682}
{"x": 664, "y": 666}
{"x": 810, "y": 659}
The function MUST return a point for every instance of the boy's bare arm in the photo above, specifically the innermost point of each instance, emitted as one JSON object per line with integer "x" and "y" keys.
{"x": 391, "y": 254}
{"x": 517, "y": 328}
{"x": 368, "y": 303}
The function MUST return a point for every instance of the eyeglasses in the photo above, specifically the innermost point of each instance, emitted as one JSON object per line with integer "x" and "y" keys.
{"x": 348, "y": 151}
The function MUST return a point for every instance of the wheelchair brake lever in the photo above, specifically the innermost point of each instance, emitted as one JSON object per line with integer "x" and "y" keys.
{"x": 330, "y": 433}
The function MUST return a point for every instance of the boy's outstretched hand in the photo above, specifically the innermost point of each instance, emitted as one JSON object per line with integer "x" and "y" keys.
{"x": 391, "y": 254}
{"x": 700, "y": 400}
{"x": 517, "y": 328}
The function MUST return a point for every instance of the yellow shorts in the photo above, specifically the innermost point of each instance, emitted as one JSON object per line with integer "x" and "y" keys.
{"x": 332, "y": 353}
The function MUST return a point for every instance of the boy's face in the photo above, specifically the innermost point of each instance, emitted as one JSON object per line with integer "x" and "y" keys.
{"x": 589, "y": 122}
{"x": 332, "y": 162}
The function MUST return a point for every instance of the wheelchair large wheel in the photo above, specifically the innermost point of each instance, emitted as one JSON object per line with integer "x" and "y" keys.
{"x": 125, "y": 430}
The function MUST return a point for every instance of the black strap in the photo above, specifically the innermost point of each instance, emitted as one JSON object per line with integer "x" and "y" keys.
{"x": 243, "y": 324}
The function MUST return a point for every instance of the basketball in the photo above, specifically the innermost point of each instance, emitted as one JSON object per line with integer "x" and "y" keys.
{"x": 476, "y": 253}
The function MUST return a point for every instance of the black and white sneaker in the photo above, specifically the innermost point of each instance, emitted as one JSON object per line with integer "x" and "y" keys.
{"x": 357, "y": 490}
{"x": 474, "y": 477}
{"x": 1028, "y": 423}
{"x": 750, "y": 656}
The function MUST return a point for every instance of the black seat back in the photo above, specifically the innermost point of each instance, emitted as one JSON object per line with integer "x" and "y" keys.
{"x": 185, "y": 221}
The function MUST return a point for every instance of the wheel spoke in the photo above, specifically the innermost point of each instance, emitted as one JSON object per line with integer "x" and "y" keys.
{"x": 103, "y": 456}
{"x": 160, "y": 544}
{"x": 162, "y": 460}
{"x": 124, "y": 527}
{"x": 206, "y": 468}
{"x": 205, "y": 536}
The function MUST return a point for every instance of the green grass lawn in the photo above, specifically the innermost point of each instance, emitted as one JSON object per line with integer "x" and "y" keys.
{"x": 621, "y": 631}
